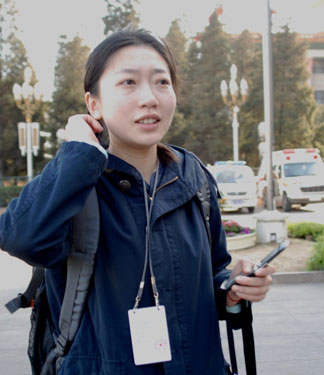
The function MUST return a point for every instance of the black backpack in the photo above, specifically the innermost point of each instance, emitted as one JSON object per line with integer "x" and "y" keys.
{"x": 46, "y": 351}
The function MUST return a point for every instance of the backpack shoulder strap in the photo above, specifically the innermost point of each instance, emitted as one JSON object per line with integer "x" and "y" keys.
{"x": 204, "y": 198}
{"x": 85, "y": 240}
{"x": 86, "y": 227}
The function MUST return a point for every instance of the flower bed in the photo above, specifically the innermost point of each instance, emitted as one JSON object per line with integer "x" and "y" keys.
{"x": 238, "y": 237}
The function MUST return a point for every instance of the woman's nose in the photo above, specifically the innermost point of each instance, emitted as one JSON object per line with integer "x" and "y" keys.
{"x": 147, "y": 97}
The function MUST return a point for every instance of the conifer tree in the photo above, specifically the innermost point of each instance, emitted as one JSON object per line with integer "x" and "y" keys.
{"x": 121, "y": 13}
{"x": 247, "y": 56}
{"x": 318, "y": 140}
{"x": 209, "y": 134}
{"x": 13, "y": 60}
{"x": 177, "y": 41}
{"x": 294, "y": 103}
{"x": 68, "y": 96}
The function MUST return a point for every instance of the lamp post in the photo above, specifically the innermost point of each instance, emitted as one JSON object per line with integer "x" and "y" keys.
{"x": 27, "y": 99}
{"x": 271, "y": 225}
{"x": 268, "y": 101}
{"x": 236, "y": 99}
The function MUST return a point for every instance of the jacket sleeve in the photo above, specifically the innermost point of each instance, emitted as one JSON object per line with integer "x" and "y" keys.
{"x": 219, "y": 254}
{"x": 36, "y": 226}
{"x": 220, "y": 260}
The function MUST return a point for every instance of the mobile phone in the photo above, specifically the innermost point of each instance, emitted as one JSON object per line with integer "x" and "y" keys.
{"x": 103, "y": 137}
{"x": 227, "y": 284}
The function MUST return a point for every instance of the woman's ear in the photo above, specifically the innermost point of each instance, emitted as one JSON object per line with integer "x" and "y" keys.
{"x": 92, "y": 103}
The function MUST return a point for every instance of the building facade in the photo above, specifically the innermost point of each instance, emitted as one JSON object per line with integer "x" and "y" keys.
{"x": 315, "y": 60}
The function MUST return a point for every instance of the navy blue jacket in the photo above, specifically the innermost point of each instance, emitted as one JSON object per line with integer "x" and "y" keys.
{"x": 36, "y": 227}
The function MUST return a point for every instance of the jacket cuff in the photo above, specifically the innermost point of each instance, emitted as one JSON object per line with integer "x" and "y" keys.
{"x": 237, "y": 319}
{"x": 243, "y": 318}
{"x": 83, "y": 150}
{"x": 234, "y": 309}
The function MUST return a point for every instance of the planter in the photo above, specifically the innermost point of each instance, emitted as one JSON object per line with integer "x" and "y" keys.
{"x": 241, "y": 241}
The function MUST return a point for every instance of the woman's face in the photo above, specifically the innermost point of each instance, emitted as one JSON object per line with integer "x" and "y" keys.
{"x": 136, "y": 99}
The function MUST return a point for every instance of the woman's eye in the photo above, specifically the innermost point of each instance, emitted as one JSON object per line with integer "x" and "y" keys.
{"x": 164, "y": 82}
{"x": 128, "y": 82}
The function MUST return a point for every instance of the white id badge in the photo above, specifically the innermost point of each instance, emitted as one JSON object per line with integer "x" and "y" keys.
{"x": 149, "y": 333}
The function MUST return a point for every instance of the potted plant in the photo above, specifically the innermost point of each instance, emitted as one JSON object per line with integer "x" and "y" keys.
{"x": 237, "y": 236}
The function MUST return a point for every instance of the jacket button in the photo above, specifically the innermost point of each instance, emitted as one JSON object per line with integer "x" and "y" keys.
{"x": 124, "y": 185}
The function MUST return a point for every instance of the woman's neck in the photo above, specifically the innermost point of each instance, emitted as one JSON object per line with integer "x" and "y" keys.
{"x": 145, "y": 161}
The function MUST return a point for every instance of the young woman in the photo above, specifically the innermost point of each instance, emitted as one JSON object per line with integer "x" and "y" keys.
{"x": 148, "y": 211}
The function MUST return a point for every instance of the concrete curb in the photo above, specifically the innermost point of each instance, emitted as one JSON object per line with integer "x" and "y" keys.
{"x": 298, "y": 277}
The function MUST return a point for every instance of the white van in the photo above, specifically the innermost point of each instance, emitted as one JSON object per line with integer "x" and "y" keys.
{"x": 236, "y": 183}
{"x": 298, "y": 177}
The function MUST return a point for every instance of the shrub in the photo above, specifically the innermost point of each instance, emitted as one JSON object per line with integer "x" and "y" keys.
{"x": 7, "y": 193}
{"x": 307, "y": 230}
{"x": 316, "y": 261}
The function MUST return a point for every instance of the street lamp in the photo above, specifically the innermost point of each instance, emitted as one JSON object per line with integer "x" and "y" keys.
{"x": 27, "y": 99}
{"x": 236, "y": 99}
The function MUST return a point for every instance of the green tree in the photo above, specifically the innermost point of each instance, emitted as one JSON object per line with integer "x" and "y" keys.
{"x": 13, "y": 60}
{"x": 209, "y": 131}
{"x": 177, "y": 42}
{"x": 246, "y": 54}
{"x": 294, "y": 102}
{"x": 191, "y": 83}
{"x": 68, "y": 96}
{"x": 318, "y": 140}
{"x": 293, "y": 99}
{"x": 121, "y": 13}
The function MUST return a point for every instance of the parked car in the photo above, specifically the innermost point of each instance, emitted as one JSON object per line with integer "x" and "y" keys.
{"x": 298, "y": 177}
{"x": 237, "y": 185}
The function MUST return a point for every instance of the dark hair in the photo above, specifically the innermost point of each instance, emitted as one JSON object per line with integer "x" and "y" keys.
{"x": 99, "y": 57}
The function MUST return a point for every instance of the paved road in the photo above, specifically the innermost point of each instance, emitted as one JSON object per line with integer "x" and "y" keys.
{"x": 14, "y": 273}
{"x": 13, "y": 338}
{"x": 288, "y": 329}
{"x": 14, "y": 277}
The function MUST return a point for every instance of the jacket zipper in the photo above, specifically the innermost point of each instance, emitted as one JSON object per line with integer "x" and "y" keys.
{"x": 167, "y": 183}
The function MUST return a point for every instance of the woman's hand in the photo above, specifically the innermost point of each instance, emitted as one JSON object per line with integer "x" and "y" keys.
{"x": 252, "y": 289}
{"x": 82, "y": 128}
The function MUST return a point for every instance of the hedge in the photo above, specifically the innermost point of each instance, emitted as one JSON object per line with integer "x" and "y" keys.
{"x": 314, "y": 232}
{"x": 316, "y": 261}
{"x": 307, "y": 230}
{"x": 7, "y": 193}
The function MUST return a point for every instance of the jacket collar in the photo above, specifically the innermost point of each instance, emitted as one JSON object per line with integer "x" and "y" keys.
{"x": 180, "y": 180}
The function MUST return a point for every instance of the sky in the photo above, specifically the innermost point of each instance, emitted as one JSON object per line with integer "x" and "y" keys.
{"x": 41, "y": 22}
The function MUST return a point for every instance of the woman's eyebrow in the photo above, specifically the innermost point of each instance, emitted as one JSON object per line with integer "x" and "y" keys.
{"x": 127, "y": 70}
{"x": 133, "y": 70}
{"x": 157, "y": 70}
